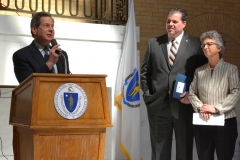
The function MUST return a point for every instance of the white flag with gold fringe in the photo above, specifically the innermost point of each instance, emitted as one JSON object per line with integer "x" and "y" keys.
{"x": 127, "y": 92}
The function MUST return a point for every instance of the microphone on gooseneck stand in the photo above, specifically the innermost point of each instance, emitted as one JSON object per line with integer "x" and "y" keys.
{"x": 53, "y": 43}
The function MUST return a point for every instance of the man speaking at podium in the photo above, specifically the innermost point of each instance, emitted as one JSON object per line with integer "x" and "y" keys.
{"x": 39, "y": 56}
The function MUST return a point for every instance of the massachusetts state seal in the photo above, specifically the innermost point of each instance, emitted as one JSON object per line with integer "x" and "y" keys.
{"x": 70, "y": 101}
{"x": 131, "y": 90}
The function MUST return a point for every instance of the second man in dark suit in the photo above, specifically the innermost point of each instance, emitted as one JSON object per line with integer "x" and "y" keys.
{"x": 32, "y": 58}
{"x": 158, "y": 74}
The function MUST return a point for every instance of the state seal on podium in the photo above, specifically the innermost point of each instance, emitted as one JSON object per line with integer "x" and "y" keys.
{"x": 70, "y": 101}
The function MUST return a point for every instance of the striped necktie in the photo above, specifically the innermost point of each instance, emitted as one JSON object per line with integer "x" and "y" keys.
{"x": 173, "y": 53}
{"x": 46, "y": 57}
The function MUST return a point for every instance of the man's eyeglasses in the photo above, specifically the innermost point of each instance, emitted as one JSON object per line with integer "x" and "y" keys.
{"x": 46, "y": 25}
{"x": 208, "y": 44}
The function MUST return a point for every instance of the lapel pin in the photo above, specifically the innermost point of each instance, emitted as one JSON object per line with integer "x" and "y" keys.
{"x": 186, "y": 40}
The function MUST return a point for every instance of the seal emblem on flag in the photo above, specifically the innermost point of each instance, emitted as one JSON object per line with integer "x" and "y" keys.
{"x": 131, "y": 90}
{"x": 70, "y": 101}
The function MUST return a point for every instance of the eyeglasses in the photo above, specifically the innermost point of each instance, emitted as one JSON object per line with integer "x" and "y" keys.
{"x": 47, "y": 26}
{"x": 208, "y": 44}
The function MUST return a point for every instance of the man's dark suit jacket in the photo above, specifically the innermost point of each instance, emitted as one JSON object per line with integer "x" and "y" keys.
{"x": 157, "y": 79}
{"x": 29, "y": 60}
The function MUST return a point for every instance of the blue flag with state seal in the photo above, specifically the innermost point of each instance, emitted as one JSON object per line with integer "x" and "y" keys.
{"x": 127, "y": 91}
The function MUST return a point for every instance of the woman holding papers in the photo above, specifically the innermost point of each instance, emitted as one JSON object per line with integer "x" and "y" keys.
{"x": 215, "y": 89}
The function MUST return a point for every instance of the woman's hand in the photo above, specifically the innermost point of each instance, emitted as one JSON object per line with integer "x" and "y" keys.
{"x": 207, "y": 110}
{"x": 206, "y": 115}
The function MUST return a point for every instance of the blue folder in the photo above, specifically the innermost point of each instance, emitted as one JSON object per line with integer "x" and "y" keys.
{"x": 181, "y": 85}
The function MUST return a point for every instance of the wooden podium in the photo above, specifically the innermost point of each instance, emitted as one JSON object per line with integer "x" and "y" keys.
{"x": 40, "y": 133}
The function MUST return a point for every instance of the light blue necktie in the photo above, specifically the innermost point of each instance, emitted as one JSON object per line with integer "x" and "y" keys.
{"x": 46, "y": 57}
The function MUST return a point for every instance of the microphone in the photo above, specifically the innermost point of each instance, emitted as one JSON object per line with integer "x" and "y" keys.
{"x": 53, "y": 43}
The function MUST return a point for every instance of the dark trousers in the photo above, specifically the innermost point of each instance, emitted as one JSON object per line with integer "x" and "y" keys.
{"x": 219, "y": 138}
{"x": 161, "y": 133}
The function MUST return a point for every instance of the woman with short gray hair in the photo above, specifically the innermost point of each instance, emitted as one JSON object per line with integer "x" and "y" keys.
{"x": 215, "y": 90}
{"x": 214, "y": 35}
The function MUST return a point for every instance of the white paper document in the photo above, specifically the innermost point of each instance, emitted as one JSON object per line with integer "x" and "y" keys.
{"x": 180, "y": 87}
{"x": 215, "y": 120}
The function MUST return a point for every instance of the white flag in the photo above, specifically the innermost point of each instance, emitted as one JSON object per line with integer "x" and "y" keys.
{"x": 127, "y": 91}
